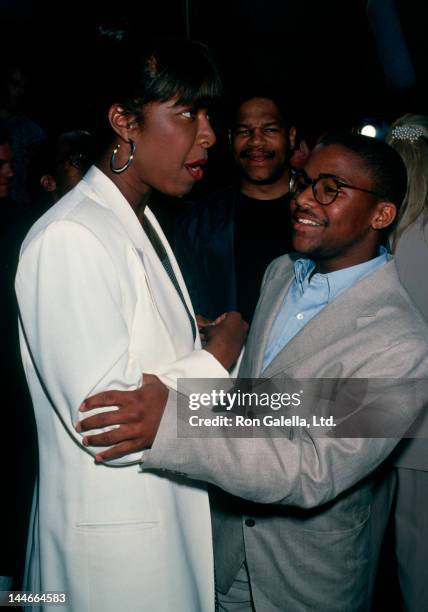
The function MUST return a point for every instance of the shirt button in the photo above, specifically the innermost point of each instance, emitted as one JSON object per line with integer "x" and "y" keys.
{"x": 300, "y": 316}
{"x": 250, "y": 522}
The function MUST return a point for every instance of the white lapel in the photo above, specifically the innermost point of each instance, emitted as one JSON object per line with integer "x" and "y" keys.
{"x": 168, "y": 302}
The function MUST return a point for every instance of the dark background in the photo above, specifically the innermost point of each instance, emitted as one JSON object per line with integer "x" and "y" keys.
{"x": 323, "y": 54}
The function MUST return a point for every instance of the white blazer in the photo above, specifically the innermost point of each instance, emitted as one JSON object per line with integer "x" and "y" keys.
{"x": 96, "y": 310}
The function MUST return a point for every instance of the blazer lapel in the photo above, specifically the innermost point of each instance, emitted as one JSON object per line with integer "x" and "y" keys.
{"x": 337, "y": 320}
{"x": 163, "y": 292}
{"x": 270, "y": 302}
{"x": 159, "y": 272}
{"x": 322, "y": 330}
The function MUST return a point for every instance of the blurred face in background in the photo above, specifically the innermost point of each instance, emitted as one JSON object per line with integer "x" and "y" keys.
{"x": 16, "y": 90}
{"x": 261, "y": 141}
{"x": 68, "y": 171}
{"x": 6, "y": 170}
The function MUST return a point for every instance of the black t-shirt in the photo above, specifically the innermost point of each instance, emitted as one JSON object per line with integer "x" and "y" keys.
{"x": 262, "y": 233}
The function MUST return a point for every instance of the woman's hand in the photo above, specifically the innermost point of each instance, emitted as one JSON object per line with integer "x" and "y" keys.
{"x": 204, "y": 322}
{"x": 225, "y": 338}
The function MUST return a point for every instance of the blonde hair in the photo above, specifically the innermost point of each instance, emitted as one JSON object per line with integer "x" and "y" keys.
{"x": 408, "y": 135}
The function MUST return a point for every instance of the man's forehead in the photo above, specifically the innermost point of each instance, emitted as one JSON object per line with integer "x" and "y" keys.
{"x": 260, "y": 110}
{"x": 335, "y": 160}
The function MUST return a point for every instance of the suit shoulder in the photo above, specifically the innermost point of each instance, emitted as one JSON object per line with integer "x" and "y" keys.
{"x": 389, "y": 312}
{"x": 409, "y": 315}
{"x": 392, "y": 294}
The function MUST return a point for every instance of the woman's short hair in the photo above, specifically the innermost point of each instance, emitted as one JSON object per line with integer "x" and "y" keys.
{"x": 133, "y": 74}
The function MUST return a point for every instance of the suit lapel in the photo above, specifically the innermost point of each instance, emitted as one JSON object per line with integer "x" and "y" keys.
{"x": 337, "y": 320}
{"x": 334, "y": 321}
{"x": 169, "y": 302}
{"x": 271, "y": 299}
{"x": 162, "y": 290}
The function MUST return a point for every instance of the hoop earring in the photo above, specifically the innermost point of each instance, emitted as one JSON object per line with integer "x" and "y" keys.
{"x": 128, "y": 161}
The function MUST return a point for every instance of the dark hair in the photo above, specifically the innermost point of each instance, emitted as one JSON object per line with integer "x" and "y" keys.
{"x": 385, "y": 165}
{"x": 79, "y": 148}
{"x": 76, "y": 146}
{"x": 260, "y": 90}
{"x": 134, "y": 74}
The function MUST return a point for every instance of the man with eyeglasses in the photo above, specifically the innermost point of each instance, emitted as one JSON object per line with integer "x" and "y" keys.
{"x": 335, "y": 310}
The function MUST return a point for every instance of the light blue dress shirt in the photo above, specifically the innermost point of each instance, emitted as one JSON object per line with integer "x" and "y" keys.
{"x": 308, "y": 295}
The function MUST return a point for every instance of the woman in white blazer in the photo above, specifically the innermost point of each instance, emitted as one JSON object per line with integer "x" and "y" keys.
{"x": 101, "y": 301}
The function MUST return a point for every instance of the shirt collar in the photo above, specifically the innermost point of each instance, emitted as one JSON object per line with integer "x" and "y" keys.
{"x": 341, "y": 279}
{"x": 302, "y": 268}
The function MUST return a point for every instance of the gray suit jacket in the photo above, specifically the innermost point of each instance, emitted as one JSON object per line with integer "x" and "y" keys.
{"x": 310, "y": 548}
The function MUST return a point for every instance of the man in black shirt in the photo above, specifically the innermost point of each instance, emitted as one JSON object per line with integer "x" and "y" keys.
{"x": 225, "y": 244}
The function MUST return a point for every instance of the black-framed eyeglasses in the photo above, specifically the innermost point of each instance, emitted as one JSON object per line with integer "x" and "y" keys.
{"x": 325, "y": 188}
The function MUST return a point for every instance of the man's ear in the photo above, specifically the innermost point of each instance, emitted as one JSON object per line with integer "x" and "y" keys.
{"x": 304, "y": 149}
{"x": 48, "y": 182}
{"x": 122, "y": 123}
{"x": 299, "y": 155}
{"x": 384, "y": 215}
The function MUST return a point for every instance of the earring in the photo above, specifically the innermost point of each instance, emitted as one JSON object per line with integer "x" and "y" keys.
{"x": 128, "y": 161}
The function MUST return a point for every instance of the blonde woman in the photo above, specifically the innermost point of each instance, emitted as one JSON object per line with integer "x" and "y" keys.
{"x": 409, "y": 136}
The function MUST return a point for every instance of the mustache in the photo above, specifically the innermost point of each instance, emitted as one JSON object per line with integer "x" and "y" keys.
{"x": 246, "y": 153}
